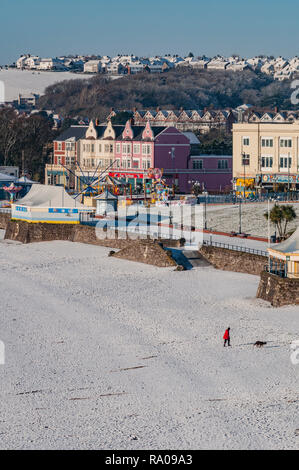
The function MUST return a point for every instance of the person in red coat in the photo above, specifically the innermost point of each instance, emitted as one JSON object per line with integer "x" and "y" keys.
{"x": 226, "y": 337}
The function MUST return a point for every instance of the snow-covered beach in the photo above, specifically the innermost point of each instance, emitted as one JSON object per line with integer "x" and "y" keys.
{"x": 103, "y": 353}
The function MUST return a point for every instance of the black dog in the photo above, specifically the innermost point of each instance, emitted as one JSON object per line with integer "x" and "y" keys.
{"x": 260, "y": 344}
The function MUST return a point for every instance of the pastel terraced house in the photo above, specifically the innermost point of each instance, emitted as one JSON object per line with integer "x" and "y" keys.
{"x": 129, "y": 152}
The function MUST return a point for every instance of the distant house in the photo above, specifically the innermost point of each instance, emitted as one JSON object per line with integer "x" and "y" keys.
{"x": 51, "y": 64}
{"x": 92, "y": 66}
{"x": 114, "y": 68}
{"x": 238, "y": 66}
{"x": 133, "y": 68}
{"x": 27, "y": 101}
{"x": 28, "y": 62}
{"x": 217, "y": 64}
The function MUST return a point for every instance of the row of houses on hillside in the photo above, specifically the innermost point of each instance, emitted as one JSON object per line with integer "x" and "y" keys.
{"x": 270, "y": 116}
{"x": 279, "y": 67}
{"x": 183, "y": 119}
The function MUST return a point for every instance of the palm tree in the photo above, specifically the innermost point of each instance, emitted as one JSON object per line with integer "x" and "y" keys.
{"x": 280, "y": 216}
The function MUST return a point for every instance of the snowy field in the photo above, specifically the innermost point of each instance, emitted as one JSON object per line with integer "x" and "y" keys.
{"x": 26, "y": 81}
{"x": 103, "y": 353}
{"x": 225, "y": 218}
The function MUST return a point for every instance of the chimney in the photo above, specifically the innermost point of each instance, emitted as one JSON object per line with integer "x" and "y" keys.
{"x": 181, "y": 109}
{"x": 276, "y": 109}
{"x": 158, "y": 109}
{"x": 97, "y": 122}
{"x": 132, "y": 121}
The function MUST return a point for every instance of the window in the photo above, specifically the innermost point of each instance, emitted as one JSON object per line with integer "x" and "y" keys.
{"x": 126, "y": 149}
{"x": 100, "y": 148}
{"x": 128, "y": 163}
{"x": 245, "y": 159}
{"x": 146, "y": 164}
{"x": 136, "y": 149}
{"x": 124, "y": 164}
{"x": 59, "y": 146}
{"x": 135, "y": 164}
{"x": 146, "y": 149}
{"x": 283, "y": 162}
{"x": 267, "y": 142}
{"x": 285, "y": 142}
{"x": 111, "y": 148}
{"x": 222, "y": 164}
{"x": 107, "y": 148}
{"x": 197, "y": 164}
{"x": 59, "y": 160}
{"x": 70, "y": 146}
{"x": 245, "y": 140}
{"x": 267, "y": 162}
{"x": 92, "y": 147}
{"x": 117, "y": 148}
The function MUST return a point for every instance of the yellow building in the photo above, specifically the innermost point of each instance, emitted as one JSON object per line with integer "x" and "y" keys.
{"x": 284, "y": 257}
{"x": 268, "y": 153}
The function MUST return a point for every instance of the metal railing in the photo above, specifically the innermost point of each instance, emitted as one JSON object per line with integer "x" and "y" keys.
{"x": 233, "y": 199}
{"x": 278, "y": 269}
{"x": 228, "y": 246}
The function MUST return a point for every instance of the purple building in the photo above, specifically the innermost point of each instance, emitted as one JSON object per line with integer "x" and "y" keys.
{"x": 139, "y": 148}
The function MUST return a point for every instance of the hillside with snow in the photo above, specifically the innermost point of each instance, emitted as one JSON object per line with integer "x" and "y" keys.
{"x": 27, "y": 81}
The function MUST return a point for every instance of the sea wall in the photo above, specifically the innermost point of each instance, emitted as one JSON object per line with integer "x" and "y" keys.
{"x": 145, "y": 251}
{"x": 278, "y": 291}
{"x": 27, "y": 232}
{"x": 230, "y": 260}
{"x": 4, "y": 219}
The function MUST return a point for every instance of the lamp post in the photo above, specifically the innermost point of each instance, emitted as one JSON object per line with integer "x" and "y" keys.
{"x": 172, "y": 154}
{"x": 205, "y": 212}
{"x": 288, "y": 173}
{"x": 244, "y": 166}
{"x": 240, "y": 216}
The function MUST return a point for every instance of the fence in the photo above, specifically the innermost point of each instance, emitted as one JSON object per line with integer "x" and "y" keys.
{"x": 228, "y": 246}
{"x": 277, "y": 268}
{"x": 232, "y": 199}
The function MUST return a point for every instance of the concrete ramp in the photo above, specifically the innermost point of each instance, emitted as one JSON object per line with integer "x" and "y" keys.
{"x": 189, "y": 258}
{"x": 195, "y": 259}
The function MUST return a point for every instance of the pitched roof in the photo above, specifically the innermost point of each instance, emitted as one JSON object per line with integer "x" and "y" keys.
{"x": 78, "y": 132}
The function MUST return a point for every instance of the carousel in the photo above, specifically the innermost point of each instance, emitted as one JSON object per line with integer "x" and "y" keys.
{"x": 12, "y": 190}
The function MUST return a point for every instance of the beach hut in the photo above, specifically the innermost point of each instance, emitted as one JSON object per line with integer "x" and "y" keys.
{"x": 106, "y": 202}
{"x": 284, "y": 257}
{"x": 48, "y": 204}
